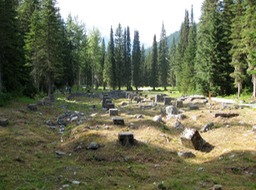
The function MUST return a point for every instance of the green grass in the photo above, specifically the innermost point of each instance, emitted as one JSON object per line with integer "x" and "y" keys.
{"x": 28, "y": 159}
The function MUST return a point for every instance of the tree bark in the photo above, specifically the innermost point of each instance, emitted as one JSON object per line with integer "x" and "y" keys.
{"x": 239, "y": 86}
{"x": 254, "y": 85}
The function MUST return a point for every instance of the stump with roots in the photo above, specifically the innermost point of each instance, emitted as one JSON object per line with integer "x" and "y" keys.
{"x": 126, "y": 139}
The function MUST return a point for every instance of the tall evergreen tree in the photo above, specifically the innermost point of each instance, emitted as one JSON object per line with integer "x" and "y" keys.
{"x": 127, "y": 70}
{"x": 143, "y": 66}
{"x": 181, "y": 48}
{"x": 119, "y": 55}
{"x": 136, "y": 60}
{"x": 188, "y": 73}
{"x": 249, "y": 39}
{"x": 172, "y": 63}
{"x": 237, "y": 51}
{"x": 109, "y": 74}
{"x": 11, "y": 50}
{"x": 154, "y": 69}
{"x": 103, "y": 57}
{"x": 208, "y": 68}
{"x": 163, "y": 59}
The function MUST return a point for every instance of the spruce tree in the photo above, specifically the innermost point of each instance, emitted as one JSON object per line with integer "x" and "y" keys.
{"x": 249, "y": 39}
{"x": 119, "y": 56}
{"x": 172, "y": 63}
{"x": 163, "y": 59}
{"x": 143, "y": 66}
{"x": 238, "y": 55}
{"x": 136, "y": 60}
{"x": 127, "y": 59}
{"x": 154, "y": 69}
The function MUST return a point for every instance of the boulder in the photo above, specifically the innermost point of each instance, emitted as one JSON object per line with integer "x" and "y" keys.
{"x": 171, "y": 110}
{"x": 191, "y": 138}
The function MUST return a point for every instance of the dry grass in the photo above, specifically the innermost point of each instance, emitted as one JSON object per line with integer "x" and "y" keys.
{"x": 28, "y": 159}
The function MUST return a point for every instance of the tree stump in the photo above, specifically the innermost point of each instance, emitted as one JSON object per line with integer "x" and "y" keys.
{"x": 113, "y": 112}
{"x": 179, "y": 104}
{"x": 126, "y": 139}
{"x": 191, "y": 138}
{"x": 118, "y": 121}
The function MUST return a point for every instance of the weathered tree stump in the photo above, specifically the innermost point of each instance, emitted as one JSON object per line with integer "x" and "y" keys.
{"x": 227, "y": 115}
{"x": 126, "y": 138}
{"x": 118, "y": 121}
{"x": 4, "y": 122}
{"x": 32, "y": 107}
{"x": 113, "y": 112}
{"x": 191, "y": 138}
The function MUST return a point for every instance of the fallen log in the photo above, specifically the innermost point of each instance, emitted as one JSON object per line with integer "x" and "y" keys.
{"x": 226, "y": 115}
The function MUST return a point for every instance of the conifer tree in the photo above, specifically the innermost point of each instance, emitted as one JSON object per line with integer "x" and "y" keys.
{"x": 119, "y": 56}
{"x": 249, "y": 39}
{"x": 102, "y": 62}
{"x": 188, "y": 83}
{"x": 136, "y": 60}
{"x": 127, "y": 59}
{"x": 172, "y": 63}
{"x": 237, "y": 51}
{"x": 109, "y": 74}
{"x": 163, "y": 59}
{"x": 154, "y": 69}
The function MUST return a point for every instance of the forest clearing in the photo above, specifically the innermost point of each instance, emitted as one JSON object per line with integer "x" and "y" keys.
{"x": 72, "y": 143}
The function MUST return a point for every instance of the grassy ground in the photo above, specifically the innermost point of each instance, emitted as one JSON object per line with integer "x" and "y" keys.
{"x": 28, "y": 159}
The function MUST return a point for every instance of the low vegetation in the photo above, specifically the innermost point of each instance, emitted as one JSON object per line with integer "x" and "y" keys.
{"x": 33, "y": 156}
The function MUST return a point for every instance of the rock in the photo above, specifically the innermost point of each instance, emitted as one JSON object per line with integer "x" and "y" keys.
{"x": 193, "y": 107}
{"x": 32, "y": 107}
{"x": 93, "y": 146}
{"x": 76, "y": 182}
{"x": 167, "y": 100}
{"x": 186, "y": 154}
{"x": 179, "y": 104}
{"x": 254, "y": 128}
{"x": 4, "y": 122}
{"x": 217, "y": 187}
{"x": 191, "y": 138}
{"x": 126, "y": 139}
{"x": 139, "y": 116}
{"x": 171, "y": 110}
{"x": 157, "y": 118}
{"x": 207, "y": 127}
{"x": 226, "y": 115}
{"x": 178, "y": 125}
{"x": 59, "y": 153}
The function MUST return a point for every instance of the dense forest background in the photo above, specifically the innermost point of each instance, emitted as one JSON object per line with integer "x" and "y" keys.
{"x": 40, "y": 52}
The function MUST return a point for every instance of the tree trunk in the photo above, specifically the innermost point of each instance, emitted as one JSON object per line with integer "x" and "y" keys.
{"x": 239, "y": 86}
{"x": 254, "y": 85}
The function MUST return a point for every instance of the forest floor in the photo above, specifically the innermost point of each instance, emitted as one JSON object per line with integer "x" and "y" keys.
{"x": 36, "y": 155}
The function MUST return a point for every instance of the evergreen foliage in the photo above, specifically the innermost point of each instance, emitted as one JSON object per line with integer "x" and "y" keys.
{"x": 154, "y": 66}
{"x": 136, "y": 61}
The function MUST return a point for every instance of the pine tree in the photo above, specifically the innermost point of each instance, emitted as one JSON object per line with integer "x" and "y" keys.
{"x": 154, "y": 69}
{"x": 109, "y": 74}
{"x": 136, "y": 60}
{"x": 11, "y": 50}
{"x": 188, "y": 73}
{"x": 127, "y": 71}
{"x": 238, "y": 55}
{"x": 143, "y": 67}
{"x": 103, "y": 57}
{"x": 249, "y": 39}
{"x": 208, "y": 68}
{"x": 163, "y": 59}
{"x": 172, "y": 63}
{"x": 119, "y": 56}
{"x": 181, "y": 48}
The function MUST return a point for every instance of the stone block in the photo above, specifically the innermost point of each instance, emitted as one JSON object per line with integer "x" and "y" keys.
{"x": 179, "y": 104}
{"x": 4, "y": 122}
{"x": 110, "y": 105}
{"x": 118, "y": 121}
{"x": 191, "y": 138}
{"x": 32, "y": 107}
{"x": 126, "y": 139}
{"x": 167, "y": 100}
{"x": 113, "y": 112}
